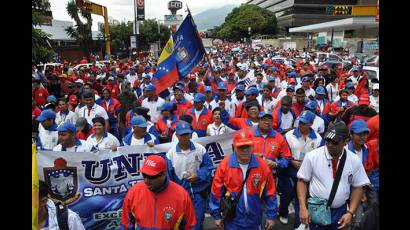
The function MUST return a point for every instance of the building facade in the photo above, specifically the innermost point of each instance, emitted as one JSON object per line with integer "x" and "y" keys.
{"x": 294, "y": 13}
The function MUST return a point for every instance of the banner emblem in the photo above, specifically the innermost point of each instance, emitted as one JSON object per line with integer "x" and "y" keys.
{"x": 62, "y": 181}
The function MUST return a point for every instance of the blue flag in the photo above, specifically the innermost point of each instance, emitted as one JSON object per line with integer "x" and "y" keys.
{"x": 188, "y": 47}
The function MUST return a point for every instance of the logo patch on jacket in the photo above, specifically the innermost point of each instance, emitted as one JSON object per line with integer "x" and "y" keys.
{"x": 203, "y": 123}
{"x": 168, "y": 213}
{"x": 256, "y": 178}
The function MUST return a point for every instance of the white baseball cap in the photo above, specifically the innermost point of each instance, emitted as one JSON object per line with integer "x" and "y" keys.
{"x": 376, "y": 86}
{"x": 79, "y": 81}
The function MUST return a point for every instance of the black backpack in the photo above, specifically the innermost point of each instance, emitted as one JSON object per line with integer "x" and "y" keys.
{"x": 62, "y": 215}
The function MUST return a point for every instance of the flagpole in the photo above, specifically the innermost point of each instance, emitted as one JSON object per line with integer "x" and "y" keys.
{"x": 202, "y": 44}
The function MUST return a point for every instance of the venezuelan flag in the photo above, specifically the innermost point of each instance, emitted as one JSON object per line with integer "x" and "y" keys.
{"x": 35, "y": 185}
{"x": 167, "y": 73}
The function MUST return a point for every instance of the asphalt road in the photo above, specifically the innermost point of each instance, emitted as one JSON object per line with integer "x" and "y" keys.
{"x": 209, "y": 223}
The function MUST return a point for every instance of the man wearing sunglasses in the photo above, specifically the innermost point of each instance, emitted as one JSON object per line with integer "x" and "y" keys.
{"x": 319, "y": 169}
{"x": 156, "y": 202}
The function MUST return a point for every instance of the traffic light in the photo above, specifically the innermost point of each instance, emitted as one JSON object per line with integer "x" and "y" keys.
{"x": 330, "y": 10}
{"x": 342, "y": 10}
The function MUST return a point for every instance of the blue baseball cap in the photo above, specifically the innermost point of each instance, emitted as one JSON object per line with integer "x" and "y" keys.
{"x": 355, "y": 69}
{"x": 139, "y": 121}
{"x": 252, "y": 91}
{"x": 208, "y": 89}
{"x": 167, "y": 106}
{"x": 146, "y": 76}
{"x": 311, "y": 105}
{"x": 292, "y": 74}
{"x": 349, "y": 85}
{"x": 290, "y": 88}
{"x": 183, "y": 127}
{"x": 306, "y": 117}
{"x": 305, "y": 79}
{"x": 67, "y": 127}
{"x": 263, "y": 114}
{"x": 179, "y": 87}
{"x": 199, "y": 97}
{"x": 271, "y": 78}
{"x": 46, "y": 114}
{"x": 359, "y": 126}
{"x": 274, "y": 69}
{"x": 51, "y": 98}
{"x": 205, "y": 65}
{"x": 150, "y": 88}
{"x": 240, "y": 87}
{"x": 320, "y": 90}
{"x": 222, "y": 85}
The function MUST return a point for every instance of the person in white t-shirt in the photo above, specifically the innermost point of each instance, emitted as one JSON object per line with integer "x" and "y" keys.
{"x": 139, "y": 136}
{"x": 374, "y": 98}
{"x": 217, "y": 127}
{"x": 101, "y": 139}
{"x": 318, "y": 172}
{"x": 64, "y": 115}
{"x": 91, "y": 110}
{"x": 152, "y": 102}
{"x": 68, "y": 142}
{"x": 301, "y": 140}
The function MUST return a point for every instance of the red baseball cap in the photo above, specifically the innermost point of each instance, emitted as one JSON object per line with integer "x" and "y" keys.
{"x": 153, "y": 165}
{"x": 242, "y": 138}
{"x": 364, "y": 99}
{"x": 73, "y": 100}
{"x": 291, "y": 80}
{"x": 192, "y": 76}
{"x": 231, "y": 72}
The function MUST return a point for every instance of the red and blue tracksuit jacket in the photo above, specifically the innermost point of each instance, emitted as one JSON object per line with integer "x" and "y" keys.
{"x": 326, "y": 107}
{"x": 170, "y": 208}
{"x": 274, "y": 147}
{"x": 277, "y": 118}
{"x": 260, "y": 185}
{"x": 205, "y": 118}
{"x": 235, "y": 123}
{"x": 127, "y": 139}
{"x": 298, "y": 108}
{"x": 113, "y": 110}
{"x": 370, "y": 160}
{"x": 130, "y": 114}
{"x": 183, "y": 107}
{"x": 161, "y": 125}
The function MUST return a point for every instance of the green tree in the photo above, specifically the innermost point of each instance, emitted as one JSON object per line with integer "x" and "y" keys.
{"x": 121, "y": 33}
{"x": 81, "y": 31}
{"x": 235, "y": 27}
{"x": 41, "y": 50}
{"x": 149, "y": 33}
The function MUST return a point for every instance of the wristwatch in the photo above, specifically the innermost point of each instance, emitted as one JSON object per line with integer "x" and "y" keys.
{"x": 350, "y": 212}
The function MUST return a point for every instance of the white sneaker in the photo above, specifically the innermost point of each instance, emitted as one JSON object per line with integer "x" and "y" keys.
{"x": 283, "y": 220}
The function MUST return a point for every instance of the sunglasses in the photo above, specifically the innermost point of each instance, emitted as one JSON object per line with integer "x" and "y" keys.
{"x": 145, "y": 176}
{"x": 331, "y": 141}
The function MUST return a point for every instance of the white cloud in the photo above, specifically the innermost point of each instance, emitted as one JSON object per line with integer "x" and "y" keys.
{"x": 124, "y": 9}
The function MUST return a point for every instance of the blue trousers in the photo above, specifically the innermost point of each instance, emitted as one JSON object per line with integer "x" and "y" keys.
{"x": 200, "y": 206}
{"x": 336, "y": 213}
{"x": 288, "y": 193}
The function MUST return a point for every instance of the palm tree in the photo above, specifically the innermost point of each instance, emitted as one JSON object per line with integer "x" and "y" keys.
{"x": 81, "y": 31}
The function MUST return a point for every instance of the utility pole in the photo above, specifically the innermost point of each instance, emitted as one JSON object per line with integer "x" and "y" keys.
{"x": 93, "y": 8}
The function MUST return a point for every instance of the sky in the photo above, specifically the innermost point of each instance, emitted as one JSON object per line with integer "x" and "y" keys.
{"x": 123, "y": 10}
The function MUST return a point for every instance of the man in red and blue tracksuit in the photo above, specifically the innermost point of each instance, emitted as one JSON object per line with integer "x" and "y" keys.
{"x": 259, "y": 187}
{"x": 157, "y": 202}
{"x": 201, "y": 116}
{"x": 113, "y": 108}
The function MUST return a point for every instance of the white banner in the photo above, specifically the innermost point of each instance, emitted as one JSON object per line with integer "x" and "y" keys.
{"x": 94, "y": 184}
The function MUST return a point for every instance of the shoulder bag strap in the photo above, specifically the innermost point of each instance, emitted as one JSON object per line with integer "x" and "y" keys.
{"x": 243, "y": 184}
{"x": 337, "y": 179}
